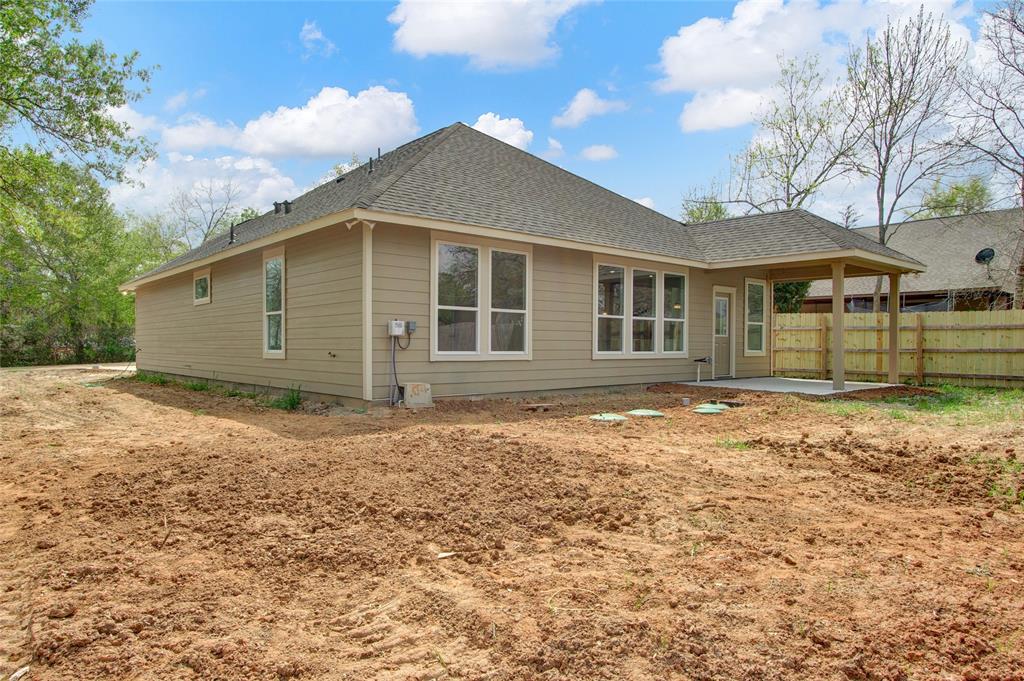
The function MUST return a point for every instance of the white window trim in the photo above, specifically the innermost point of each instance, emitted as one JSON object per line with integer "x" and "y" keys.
{"x": 747, "y": 352}
{"x": 271, "y": 254}
{"x": 483, "y": 309}
{"x": 684, "y": 320}
{"x": 196, "y": 276}
{"x": 628, "y": 266}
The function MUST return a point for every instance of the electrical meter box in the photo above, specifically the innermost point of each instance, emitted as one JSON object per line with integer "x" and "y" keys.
{"x": 396, "y": 327}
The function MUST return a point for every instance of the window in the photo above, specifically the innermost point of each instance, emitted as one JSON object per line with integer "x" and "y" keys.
{"x": 273, "y": 303}
{"x": 508, "y": 301}
{"x": 201, "y": 287}
{"x": 458, "y": 295}
{"x": 656, "y": 302}
{"x": 674, "y": 311}
{"x": 721, "y": 317}
{"x": 645, "y": 310}
{"x": 756, "y": 294}
{"x": 611, "y": 292}
{"x": 481, "y": 301}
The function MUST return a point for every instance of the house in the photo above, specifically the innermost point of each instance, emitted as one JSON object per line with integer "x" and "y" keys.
{"x": 971, "y": 261}
{"x": 510, "y": 273}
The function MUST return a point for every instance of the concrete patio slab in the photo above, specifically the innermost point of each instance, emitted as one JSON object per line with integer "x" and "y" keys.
{"x": 776, "y": 384}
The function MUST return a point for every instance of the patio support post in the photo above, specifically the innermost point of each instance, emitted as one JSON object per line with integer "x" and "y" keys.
{"x": 894, "y": 327}
{"x": 838, "y": 308}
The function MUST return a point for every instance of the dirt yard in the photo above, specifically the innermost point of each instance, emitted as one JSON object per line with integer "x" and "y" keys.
{"x": 151, "y": 531}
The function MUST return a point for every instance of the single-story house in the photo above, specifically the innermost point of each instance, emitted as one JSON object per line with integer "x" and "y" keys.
{"x": 509, "y": 273}
{"x": 971, "y": 260}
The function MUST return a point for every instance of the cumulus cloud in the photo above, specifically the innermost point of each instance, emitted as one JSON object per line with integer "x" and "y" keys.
{"x": 314, "y": 42}
{"x": 331, "y": 123}
{"x": 137, "y": 123}
{"x": 509, "y": 130}
{"x": 554, "y": 149}
{"x": 646, "y": 201}
{"x": 498, "y": 34}
{"x": 599, "y": 152}
{"x": 726, "y": 62}
{"x": 586, "y": 104}
{"x": 152, "y": 185}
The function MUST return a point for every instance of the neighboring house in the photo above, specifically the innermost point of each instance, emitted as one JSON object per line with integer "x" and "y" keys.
{"x": 961, "y": 275}
{"x": 518, "y": 275}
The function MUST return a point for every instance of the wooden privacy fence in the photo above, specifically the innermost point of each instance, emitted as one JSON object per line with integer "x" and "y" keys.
{"x": 969, "y": 348}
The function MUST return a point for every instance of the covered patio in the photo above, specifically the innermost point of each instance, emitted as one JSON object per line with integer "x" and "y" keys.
{"x": 778, "y": 384}
{"x": 862, "y": 264}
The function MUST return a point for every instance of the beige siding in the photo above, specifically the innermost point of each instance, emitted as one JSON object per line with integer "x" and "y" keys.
{"x": 562, "y": 309}
{"x": 224, "y": 339}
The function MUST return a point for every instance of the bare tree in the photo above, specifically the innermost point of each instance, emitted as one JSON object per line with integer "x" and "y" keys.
{"x": 995, "y": 94}
{"x": 901, "y": 88}
{"x": 205, "y": 210}
{"x": 804, "y": 138}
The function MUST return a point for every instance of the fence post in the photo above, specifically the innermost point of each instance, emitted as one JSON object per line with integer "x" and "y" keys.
{"x": 919, "y": 347}
{"x": 823, "y": 344}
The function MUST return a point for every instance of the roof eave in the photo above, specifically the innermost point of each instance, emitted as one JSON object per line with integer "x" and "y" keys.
{"x": 889, "y": 263}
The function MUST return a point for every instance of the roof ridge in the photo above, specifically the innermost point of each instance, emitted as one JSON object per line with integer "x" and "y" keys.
{"x": 947, "y": 217}
{"x": 742, "y": 217}
{"x": 376, "y": 190}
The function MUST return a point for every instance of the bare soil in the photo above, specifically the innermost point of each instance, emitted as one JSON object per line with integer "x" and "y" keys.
{"x": 153, "y": 532}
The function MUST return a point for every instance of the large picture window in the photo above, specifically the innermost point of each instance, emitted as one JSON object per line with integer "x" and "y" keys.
{"x": 756, "y": 314}
{"x": 639, "y": 311}
{"x": 481, "y": 301}
{"x": 273, "y": 303}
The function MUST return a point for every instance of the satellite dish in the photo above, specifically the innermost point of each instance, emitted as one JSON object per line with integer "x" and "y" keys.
{"x": 984, "y": 256}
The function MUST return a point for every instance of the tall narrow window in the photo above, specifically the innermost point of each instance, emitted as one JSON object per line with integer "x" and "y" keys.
{"x": 674, "y": 312}
{"x": 201, "y": 287}
{"x": 645, "y": 310}
{"x": 611, "y": 291}
{"x": 458, "y": 298}
{"x": 755, "y": 318}
{"x": 273, "y": 303}
{"x": 508, "y": 301}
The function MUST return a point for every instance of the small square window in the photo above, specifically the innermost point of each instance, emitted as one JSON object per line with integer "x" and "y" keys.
{"x": 201, "y": 287}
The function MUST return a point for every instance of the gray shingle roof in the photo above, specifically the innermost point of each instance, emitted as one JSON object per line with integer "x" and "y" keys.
{"x": 947, "y": 246}
{"x": 462, "y": 175}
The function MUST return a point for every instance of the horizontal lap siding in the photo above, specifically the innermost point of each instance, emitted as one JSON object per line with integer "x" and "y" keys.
{"x": 224, "y": 339}
{"x": 562, "y": 320}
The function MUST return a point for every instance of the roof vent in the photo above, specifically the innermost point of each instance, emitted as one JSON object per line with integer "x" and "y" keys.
{"x": 287, "y": 206}
{"x": 339, "y": 179}
{"x": 231, "y": 235}
{"x": 985, "y": 256}
{"x": 277, "y": 207}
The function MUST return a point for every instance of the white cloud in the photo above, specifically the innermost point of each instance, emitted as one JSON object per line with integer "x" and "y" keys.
{"x": 599, "y": 152}
{"x": 646, "y": 201}
{"x": 331, "y": 123}
{"x": 715, "y": 109}
{"x": 727, "y": 62}
{"x": 138, "y": 123}
{"x": 195, "y": 132}
{"x": 497, "y": 34}
{"x": 554, "y": 149}
{"x": 178, "y": 101}
{"x": 314, "y": 42}
{"x": 509, "y": 130}
{"x": 152, "y": 185}
{"x": 586, "y": 104}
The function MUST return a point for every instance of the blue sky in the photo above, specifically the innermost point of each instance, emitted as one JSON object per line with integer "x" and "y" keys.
{"x": 271, "y": 95}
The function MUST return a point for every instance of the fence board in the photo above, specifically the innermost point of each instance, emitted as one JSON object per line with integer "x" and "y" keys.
{"x": 970, "y": 348}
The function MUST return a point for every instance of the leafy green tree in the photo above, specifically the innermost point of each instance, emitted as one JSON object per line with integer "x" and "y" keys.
{"x": 959, "y": 198}
{"x": 61, "y": 93}
{"x": 64, "y": 253}
{"x": 789, "y": 296}
{"x": 703, "y": 207}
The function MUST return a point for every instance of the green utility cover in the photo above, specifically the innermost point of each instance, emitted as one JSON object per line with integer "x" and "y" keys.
{"x": 607, "y": 417}
{"x": 644, "y": 412}
{"x": 716, "y": 407}
{"x": 707, "y": 410}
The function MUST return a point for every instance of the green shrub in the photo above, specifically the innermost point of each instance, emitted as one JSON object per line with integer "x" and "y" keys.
{"x": 198, "y": 386}
{"x": 289, "y": 401}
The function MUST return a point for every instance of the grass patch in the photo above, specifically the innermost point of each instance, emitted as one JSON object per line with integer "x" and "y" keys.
{"x": 958, "y": 400}
{"x": 290, "y": 401}
{"x": 840, "y": 408}
{"x": 1007, "y": 485}
{"x": 727, "y": 443}
{"x": 198, "y": 386}
{"x": 155, "y": 379}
